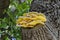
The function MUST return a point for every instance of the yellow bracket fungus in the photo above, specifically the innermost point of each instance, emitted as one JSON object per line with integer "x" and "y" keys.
{"x": 31, "y": 19}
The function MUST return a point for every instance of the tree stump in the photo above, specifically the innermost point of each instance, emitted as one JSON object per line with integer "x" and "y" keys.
{"x": 51, "y": 29}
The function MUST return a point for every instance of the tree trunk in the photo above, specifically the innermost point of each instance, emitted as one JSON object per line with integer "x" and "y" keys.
{"x": 4, "y": 4}
{"x": 51, "y": 29}
{"x": 37, "y": 33}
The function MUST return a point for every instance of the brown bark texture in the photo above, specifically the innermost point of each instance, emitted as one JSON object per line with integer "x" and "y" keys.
{"x": 37, "y": 33}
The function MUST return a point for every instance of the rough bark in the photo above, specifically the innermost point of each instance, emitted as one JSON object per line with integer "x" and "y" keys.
{"x": 37, "y": 33}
